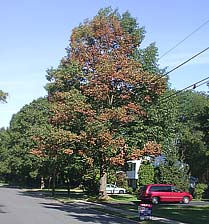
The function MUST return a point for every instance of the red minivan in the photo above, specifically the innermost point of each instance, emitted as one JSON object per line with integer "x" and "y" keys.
{"x": 156, "y": 193}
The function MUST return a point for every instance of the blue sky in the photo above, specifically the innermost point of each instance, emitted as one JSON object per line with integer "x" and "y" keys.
{"x": 35, "y": 33}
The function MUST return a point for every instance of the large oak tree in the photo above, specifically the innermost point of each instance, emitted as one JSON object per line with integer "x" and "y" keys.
{"x": 100, "y": 90}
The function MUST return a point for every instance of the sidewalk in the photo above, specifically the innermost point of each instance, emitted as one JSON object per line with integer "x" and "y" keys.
{"x": 110, "y": 207}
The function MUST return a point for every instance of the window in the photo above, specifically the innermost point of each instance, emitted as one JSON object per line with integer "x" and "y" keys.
{"x": 175, "y": 189}
{"x": 131, "y": 167}
{"x": 160, "y": 189}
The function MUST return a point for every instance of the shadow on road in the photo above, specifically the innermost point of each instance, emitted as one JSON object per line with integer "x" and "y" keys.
{"x": 83, "y": 212}
{"x": 48, "y": 194}
{"x": 34, "y": 193}
{"x": 2, "y": 209}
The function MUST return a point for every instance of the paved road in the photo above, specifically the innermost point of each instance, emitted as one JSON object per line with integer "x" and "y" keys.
{"x": 18, "y": 207}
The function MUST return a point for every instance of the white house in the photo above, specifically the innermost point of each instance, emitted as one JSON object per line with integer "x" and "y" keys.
{"x": 133, "y": 169}
{"x": 132, "y": 172}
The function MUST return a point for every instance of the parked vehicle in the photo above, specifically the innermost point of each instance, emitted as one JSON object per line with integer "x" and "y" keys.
{"x": 113, "y": 189}
{"x": 157, "y": 193}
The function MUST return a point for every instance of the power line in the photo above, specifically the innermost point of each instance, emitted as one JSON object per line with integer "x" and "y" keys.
{"x": 180, "y": 42}
{"x": 187, "y": 60}
{"x": 206, "y": 82}
{"x": 194, "y": 86}
{"x": 183, "y": 63}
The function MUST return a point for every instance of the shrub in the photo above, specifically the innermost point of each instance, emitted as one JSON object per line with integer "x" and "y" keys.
{"x": 199, "y": 190}
{"x": 91, "y": 183}
{"x": 130, "y": 190}
{"x": 122, "y": 180}
{"x": 146, "y": 174}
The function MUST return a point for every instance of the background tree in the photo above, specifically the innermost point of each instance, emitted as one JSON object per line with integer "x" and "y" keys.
{"x": 21, "y": 166}
{"x": 193, "y": 141}
{"x": 3, "y": 96}
{"x": 172, "y": 170}
{"x": 5, "y": 140}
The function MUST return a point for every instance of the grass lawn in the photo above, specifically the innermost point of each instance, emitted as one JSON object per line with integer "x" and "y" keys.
{"x": 185, "y": 213}
{"x": 188, "y": 214}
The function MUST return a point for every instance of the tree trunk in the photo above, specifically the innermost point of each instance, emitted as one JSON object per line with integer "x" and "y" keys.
{"x": 42, "y": 183}
{"x": 102, "y": 189}
{"x": 53, "y": 182}
{"x": 68, "y": 187}
{"x": 49, "y": 183}
{"x": 103, "y": 180}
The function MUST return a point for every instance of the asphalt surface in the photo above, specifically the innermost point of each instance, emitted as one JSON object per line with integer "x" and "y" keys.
{"x": 19, "y": 207}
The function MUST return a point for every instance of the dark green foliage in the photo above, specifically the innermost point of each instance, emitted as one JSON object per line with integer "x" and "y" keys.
{"x": 131, "y": 26}
{"x": 90, "y": 182}
{"x": 200, "y": 190}
{"x": 146, "y": 174}
{"x": 172, "y": 170}
{"x": 121, "y": 180}
{"x": 20, "y": 166}
{"x": 71, "y": 171}
{"x": 193, "y": 137}
{"x": 149, "y": 58}
{"x": 161, "y": 125}
{"x": 5, "y": 142}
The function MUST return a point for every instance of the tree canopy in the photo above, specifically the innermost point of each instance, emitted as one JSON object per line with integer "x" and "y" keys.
{"x": 101, "y": 89}
{"x": 193, "y": 142}
{"x": 3, "y": 96}
{"x": 18, "y": 164}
